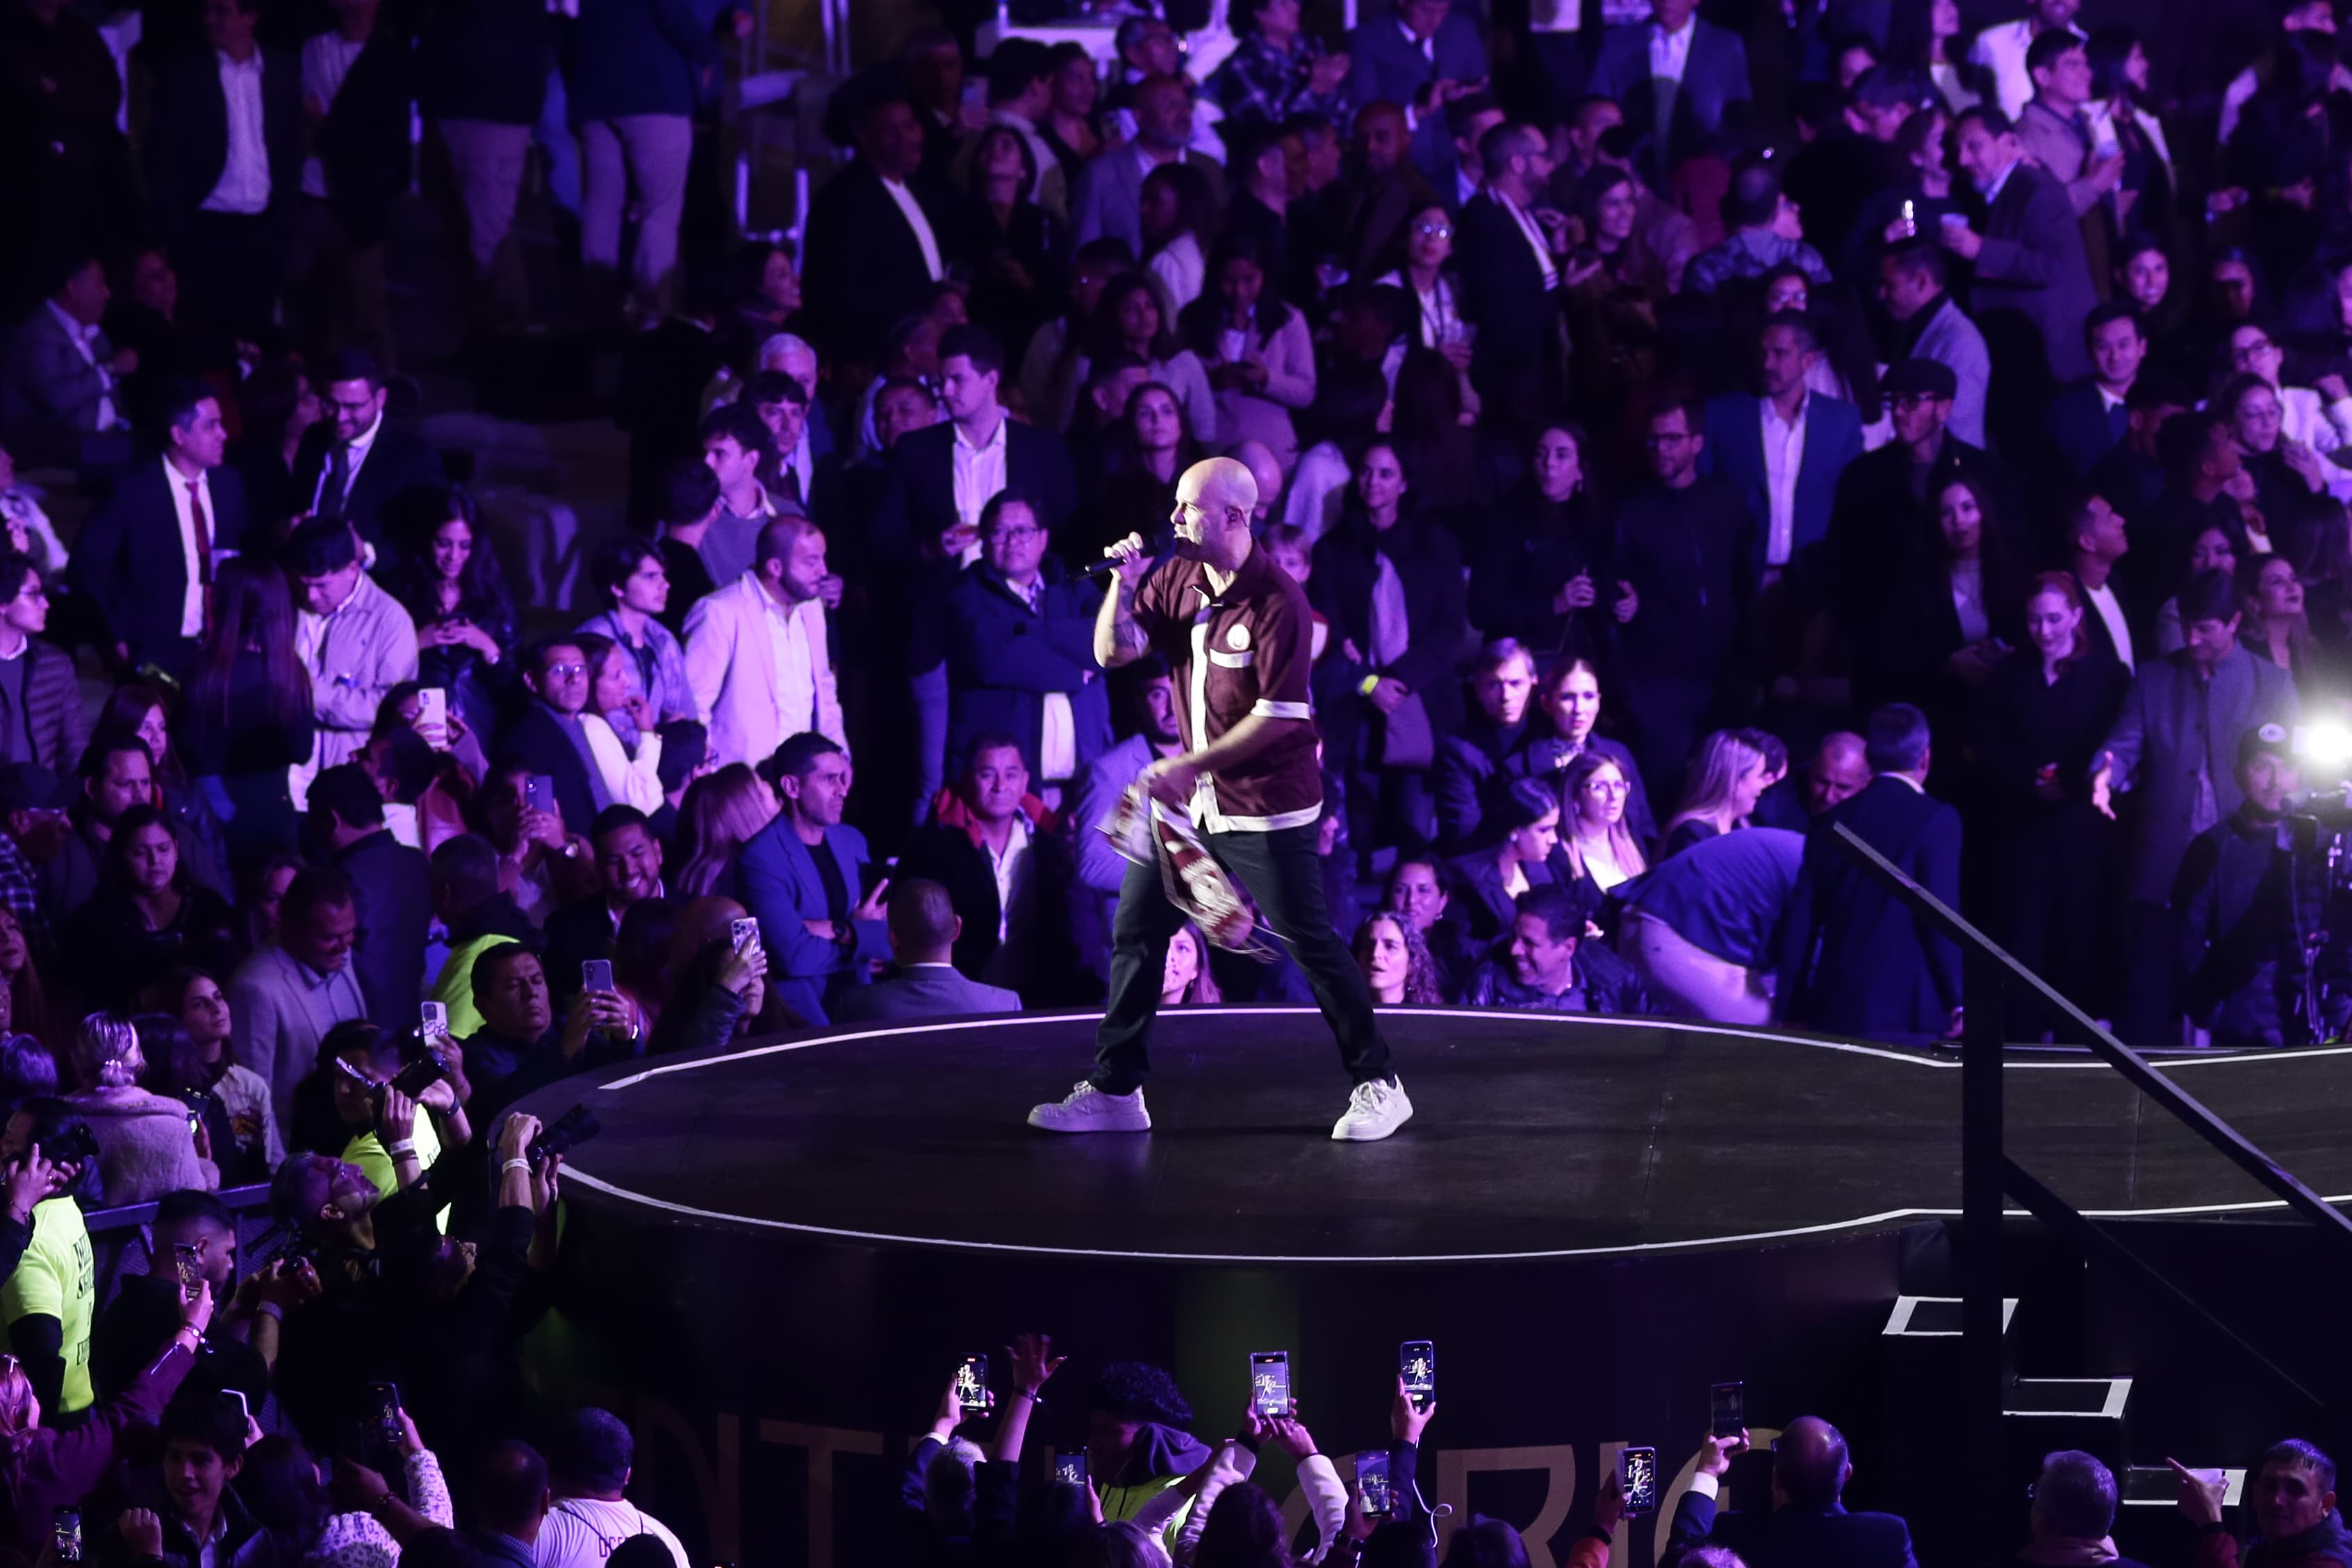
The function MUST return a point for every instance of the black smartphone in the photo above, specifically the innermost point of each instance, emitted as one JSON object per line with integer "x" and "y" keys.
{"x": 74, "y": 1145}
{"x": 1727, "y": 1409}
{"x": 1270, "y": 1382}
{"x": 67, "y": 1524}
{"x": 971, "y": 1383}
{"x": 190, "y": 1263}
{"x": 421, "y": 1074}
{"x": 1070, "y": 1466}
{"x": 596, "y": 974}
{"x": 1417, "y": 1364}
{"x": 383, "y": 1412}
{"x": 1637, "y": 1480}
{"x": 539, "y": 794}
{"x": 1373, "y": 1483}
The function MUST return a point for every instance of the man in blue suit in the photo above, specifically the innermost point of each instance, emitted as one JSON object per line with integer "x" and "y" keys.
{"x": 1854, "y": 961}
{"x": 2088, "y": 420}
{"x": 1675, "y": 76}
{"x": 1808, "y": 1526}
{"x": 923, "y": 931}
{"x": 1785, "y": 450}
{"x": 1422, "y": 59}
{"x": 799, "y": 877}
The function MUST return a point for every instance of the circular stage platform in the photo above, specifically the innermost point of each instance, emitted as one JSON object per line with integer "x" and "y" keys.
{"x": 1534, "y": 1135}
{"x": 772, "y": 1256}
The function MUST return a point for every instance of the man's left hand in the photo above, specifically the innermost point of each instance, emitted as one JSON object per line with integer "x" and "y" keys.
{"x": 1172, "y": 779}
{"x": 1962, "y": 240}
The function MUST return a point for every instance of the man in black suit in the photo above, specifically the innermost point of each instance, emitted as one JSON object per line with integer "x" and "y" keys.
{"x": 145, "y": 559}
{"x": 2131, "y": 476}
{"x": 1808, "y": 1526}
{"x": 2115, "y": 619}
{"x": 941, "y": 476}
{"x": 2090, "y": 418}
{"x": 338, "y": 295}
{"x": 880, "y": 233}
{"x": 392, "y": 892}
{"x": 1676, "y": 76}
{"x": 354, "y": 463}
{"x": 1511, "y": 261}
{"x": 224, "y": 148}
{"x": 547, "y": 739}
{"x": 1853, "y": 960}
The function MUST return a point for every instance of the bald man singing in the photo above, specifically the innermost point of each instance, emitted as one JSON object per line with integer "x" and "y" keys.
{"x": 1234, "y": 630}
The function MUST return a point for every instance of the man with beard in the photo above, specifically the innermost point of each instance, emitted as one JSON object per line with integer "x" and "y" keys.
{"x": 629, "y": 862}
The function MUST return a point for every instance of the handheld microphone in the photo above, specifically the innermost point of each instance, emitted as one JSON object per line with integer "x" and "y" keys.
{"x": 1155, "y": 543}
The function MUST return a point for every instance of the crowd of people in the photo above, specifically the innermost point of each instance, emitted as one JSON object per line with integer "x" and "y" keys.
{"x": 1146, "y": 1492}
{"x": 1943, "y": 433}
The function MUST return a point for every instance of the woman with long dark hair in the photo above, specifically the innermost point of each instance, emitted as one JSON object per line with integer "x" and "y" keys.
{"x": 1260, "y": 358}
{"x": 278, "y": 405}
{"x": 2045, "y": 714}
{"x": 2120, "y": 122}
{"x": 452, "y": 588}
{"x": 195, "y": 1000}
{"x": 1386, "y": 556}
{"x": 1967, "y": 601}
{"x": 1068, "y": 127}
{"x": 1180, "y": 222}
{"x": 1130, "y": 316}
{"x": 1522, "y": 852}
{"x": 1541, "y": 576}
{"x": 1930, "y": 35}
{"x": 142, "y": 710}
{"x": 721, "y": 996}
{"x": 149, "y": 915}
{"x": 1426, "y": 272}
{"x": 2272, "y": 624}
{"x": 1156, "y": 445}
{"x": 24, "y": 1002}
{"x": 1016, "y": 244}
{"x": 1613, "y": 308}
{"x": 249, "y": 717}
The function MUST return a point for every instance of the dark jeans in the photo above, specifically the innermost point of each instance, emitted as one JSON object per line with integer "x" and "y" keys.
{"x": 1283, "y": 875}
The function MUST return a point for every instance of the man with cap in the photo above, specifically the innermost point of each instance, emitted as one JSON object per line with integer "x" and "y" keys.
{"x": 2242, "y": 905}
{"x": 1235, "y": 631}
{"x": 1880, "y": 524}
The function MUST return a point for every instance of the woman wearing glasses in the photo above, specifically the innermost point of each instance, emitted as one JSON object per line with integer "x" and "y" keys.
{"x": 1427, "y": 276}
{"x": 2318, "y": 416}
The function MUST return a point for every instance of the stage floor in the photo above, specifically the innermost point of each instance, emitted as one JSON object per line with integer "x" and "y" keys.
{"x": 1533, "y": 1136}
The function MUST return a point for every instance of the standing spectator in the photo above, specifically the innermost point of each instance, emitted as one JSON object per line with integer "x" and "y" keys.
{"x": 147, "y": 915}
{"x": 632, "y": 580}
{"x": 2001, "y": 51}
{"x": 2050, "y": 127}
{"x": 356, "y": 462}
{"x": 2074, "y": 1511}
{"x": 881, "y": 234}
{"x": 1935, "y": 331}
{"x": 1018, "y": 639}
{"x": 2242, "y": 912}
{"x": 736, "y": 448}
{"x": 548, "y": 736}
{"x": 146, "y": 1145}
{"x": 1418, "y": 59}
{"x": 2089, "y": 419}
{"x": 1109, "y": 200}
{"x": 1513, "y": 253}
{"x": 1699, "y": 930}
{"x": 63, "y": 373}
{"x": 999, "y": 854}
{"x": 1786, "y": 450}
{"x": 942, "y": 476}
{"x": 800, "y": 877}
{"x": 247, "y": 718}
{"x": 756, "y": 652}
{"x": 1853, "y": 959}
{"x": 1676, "y": 78}
{"x": 451, "y": 585}
{"x": 392, "y": 893}
{"x": 1767, "y": 230}
{"x": 1278, "y": 71}
{"x": 588, "y": 1462}
{"x": 147, "y": 559}
{"x": 1686, "y": 563}
{"x": 359, "y": 85}
{"x": 50, "y": 1301}
{"x": 1539, "y": 577}
{"x": 638, "y": 68}
{"x": 482, "y": 72}
{"x": 224, "y": 165}
{"x": 1178, "y": 215}
{"x": 42, "y": 720}
{"x": 197, "y": 1001}
{"x": 1550, "y": 968}
{"x": 2033, "y": 290}
{"x": 355, "y": 639}
{"x": 1809, "y": 1522}
{"x": 285, "y": 997}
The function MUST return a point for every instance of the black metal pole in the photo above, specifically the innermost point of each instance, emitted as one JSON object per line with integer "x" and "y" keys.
{"x": 1981, "y": 1169}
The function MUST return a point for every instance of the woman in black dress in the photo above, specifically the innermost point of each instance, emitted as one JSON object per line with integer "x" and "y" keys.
{"x": 247, "y": 718}
{"x": 1541, "y": 576}
{"x": 451, "y": 585}
{"x": 2045, "y": 713}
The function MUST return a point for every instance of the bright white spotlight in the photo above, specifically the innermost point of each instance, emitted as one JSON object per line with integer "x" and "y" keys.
{"x": 2327, "y": 743}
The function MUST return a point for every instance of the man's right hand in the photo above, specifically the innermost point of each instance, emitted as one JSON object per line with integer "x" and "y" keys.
{"x": 1134, "y": 559}
{"x": 1406, "y": 1421}
{"x": 2200, "y": 1500}
{"x": 30, "y": 1180}
{"x": 1715, "y": 1455}
{"x": 395, "y": 1117}
{"x": 736, "y": 970}
{"x": 515, "y": 1135}
{"x": 141, "y": 1530}
{"x": 2103, "y": 793}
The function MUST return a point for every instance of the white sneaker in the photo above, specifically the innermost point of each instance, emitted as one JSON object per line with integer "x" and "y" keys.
{"x": 1376, "y": 1108}
{"x": 1089, "y": 1110}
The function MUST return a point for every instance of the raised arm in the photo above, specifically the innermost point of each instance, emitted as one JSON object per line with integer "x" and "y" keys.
{"x": 1120, "y": 637}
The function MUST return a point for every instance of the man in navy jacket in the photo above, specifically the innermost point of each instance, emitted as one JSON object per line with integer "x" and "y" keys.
{"x": 1019, "y": 643}
{"x": 800, "y": 875}
{"x": 1854, "y": 961}
{"x": 1808, "y": 1526}
{"x": 1753, "y": 441}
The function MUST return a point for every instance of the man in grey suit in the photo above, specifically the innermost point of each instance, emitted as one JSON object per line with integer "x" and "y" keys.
{"x": 2176, "y": 742}
{"x": 2032, "y": 289}
{"x": 61, "y": 372}
{"x": 1109, "y": 198}
{"x": 1675, "y": 76}
{"x": 1422, "y": 59}
{"x": 923, "y": 931}
{"x": 1911, "y": 283}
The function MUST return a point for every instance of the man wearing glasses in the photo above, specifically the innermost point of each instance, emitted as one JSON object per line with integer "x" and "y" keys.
{"x": 354, "y": 461}
{"x": 41, "y": 716}
{"x": 548, "y": 739}
{"x": 1235, "y": 631}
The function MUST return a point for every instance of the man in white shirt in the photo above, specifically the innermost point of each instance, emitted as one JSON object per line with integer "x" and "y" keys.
{"x": 756, "y": 651}
{"x": 2100, "y": 538}
{"x": 589, "y": 1462}
{"x": 2001, "y": 50}
{"x": 62, "y": 370}
{"x": 223, "y": 152}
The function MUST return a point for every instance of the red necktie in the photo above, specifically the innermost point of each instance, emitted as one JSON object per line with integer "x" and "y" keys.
{"x": 204, "y": 532}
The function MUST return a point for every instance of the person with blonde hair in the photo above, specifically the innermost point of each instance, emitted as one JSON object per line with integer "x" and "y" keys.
{"x": 1732, "y": 769}
{"x": 146, "y": 1147}
{"x": 723, "y": 811}
{"x": 1593, "y": 831}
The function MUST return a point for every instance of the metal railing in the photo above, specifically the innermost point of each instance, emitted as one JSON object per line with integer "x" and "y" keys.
{"x": 1987, "y": 1172}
